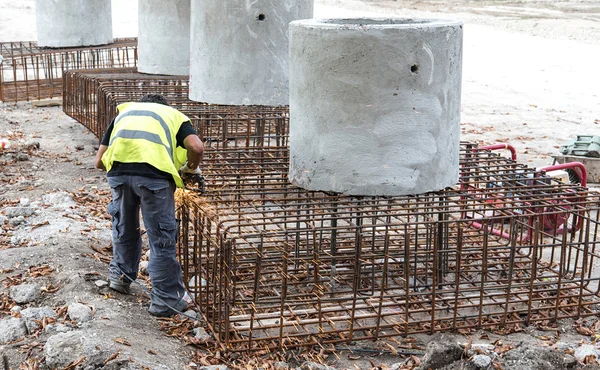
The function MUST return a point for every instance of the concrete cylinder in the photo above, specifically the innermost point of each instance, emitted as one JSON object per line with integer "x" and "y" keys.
{"x": 65, "y": 23}
{"x": 375, "y": 105}
{"x": 240, "y": 50}
{"x": 164, "y": 37}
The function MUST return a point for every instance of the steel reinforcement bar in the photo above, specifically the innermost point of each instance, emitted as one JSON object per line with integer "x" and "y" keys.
{"x": 92, "y": 97}
{"x": 28, "y": 72}
{"x": 219, "y": 126}
{"x": 276, "y": 266}
{"x": 81, "y": 89}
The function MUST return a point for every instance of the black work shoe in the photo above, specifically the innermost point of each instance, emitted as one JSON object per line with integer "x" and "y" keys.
{"x": 162, "y": 311}
{"x": 119, "y": 286}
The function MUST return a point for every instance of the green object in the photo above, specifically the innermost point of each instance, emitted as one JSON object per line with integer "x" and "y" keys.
{"x": 582, "y": 145}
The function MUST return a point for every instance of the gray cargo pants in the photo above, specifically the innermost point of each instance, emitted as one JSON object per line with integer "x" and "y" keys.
{"x": 156, "y": 199}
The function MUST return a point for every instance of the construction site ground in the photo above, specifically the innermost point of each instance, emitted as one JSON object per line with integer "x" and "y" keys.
{"x": 530, "y": 78}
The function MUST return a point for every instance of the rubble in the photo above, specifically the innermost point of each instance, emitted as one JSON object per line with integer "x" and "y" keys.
{"x": 22, "y": 157}
{"x": 591, "y": 367}
{"x": 201, "y": 335}
{"x": 62, "y": 348}
{"x": 16, "y": 221}
{"x": 30, "y": 315}
{"x": 101, "y": 283}
{"x": 480, "y": 348}
{"x": 144, "y": 267}
{"x": 441, "y": 351}
{"x": 13, "y": 212}
{"x": 12, "y": 329}
{"x": 79, "y": 312}
{"x": 191, "y": 313}
{"x": 59, "y": 200}
{"x": 563, "y": 346}
{"x": 57, "y": 328}
{"x": 25, "y": 293}
{"x": 532, "y": 357}
{"x": 586, "y": 352}
{"x": 481, "y": 361}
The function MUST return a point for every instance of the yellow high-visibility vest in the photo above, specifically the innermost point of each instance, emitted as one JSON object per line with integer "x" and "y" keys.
{"x": 146, "y": 133}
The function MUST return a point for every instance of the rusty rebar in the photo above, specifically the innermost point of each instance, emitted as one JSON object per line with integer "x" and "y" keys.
{"x": 276, "y": 266}
{"x": 92, "y": 97}
{"x": 84, "y": 99}
{"x": 219, "y": 126}
{"x": 29, "y": 72}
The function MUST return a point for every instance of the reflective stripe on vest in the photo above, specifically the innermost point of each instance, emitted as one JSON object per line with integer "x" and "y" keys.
{"x": 135, "y": 134}
{"x": 147, "y": 126}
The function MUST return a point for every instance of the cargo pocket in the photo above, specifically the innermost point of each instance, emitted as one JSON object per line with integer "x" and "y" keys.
{"x": 113, "y": 211}
{"x": 168, "y": 233}
{"x": 158, "y": 188}
{"x": 116, "y": 188}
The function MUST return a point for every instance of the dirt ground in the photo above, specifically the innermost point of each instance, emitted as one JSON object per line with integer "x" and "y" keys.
{"x": 530, "y": 78}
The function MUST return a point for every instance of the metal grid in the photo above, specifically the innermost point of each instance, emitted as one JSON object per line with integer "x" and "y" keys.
{"x": 276, "y": 266}
{"x": 28, "y": 72}
{"x": 81, "y": 89}
{"x": 219, "y": 126}
{"x": 92, "y": 97}
{"x": 113, "y": 93}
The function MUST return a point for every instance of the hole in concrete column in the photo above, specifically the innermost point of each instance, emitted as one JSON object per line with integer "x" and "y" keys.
{"x": 414, "y": 68}
{"x": 261, "y": 17}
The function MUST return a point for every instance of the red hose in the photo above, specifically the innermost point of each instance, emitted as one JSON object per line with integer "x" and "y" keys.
{"x": 513, "y": 152}
{"x": 576, "y": 165}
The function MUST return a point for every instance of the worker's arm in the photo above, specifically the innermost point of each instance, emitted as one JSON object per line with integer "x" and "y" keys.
{"x": 98, "y": 160}
{"x": 103, "y": 146}
{"x": 195, "y": 150}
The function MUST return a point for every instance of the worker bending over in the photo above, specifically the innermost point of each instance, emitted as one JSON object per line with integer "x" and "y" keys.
{"x": 143, "y": 150}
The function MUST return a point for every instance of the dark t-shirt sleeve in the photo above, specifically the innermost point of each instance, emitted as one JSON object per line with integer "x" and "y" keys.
{"x": 106, "y": 137}
{"x": 185, "y": 130}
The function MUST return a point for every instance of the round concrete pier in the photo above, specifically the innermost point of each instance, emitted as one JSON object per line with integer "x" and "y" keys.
{"x": 240, "y": 50}
{"x": 164, "y": 37}
{"x": 64, "y": 23}
{"x": 375, "y": 105}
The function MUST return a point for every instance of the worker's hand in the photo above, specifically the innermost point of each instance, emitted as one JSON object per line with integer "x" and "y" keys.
{"x": 186, "y": 169}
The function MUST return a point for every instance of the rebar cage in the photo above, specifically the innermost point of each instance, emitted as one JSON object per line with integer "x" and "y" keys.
{"x": 275, "y": 266}
{"x": 29, "y": 72}
{"x": 219, "y": 126}
{"x": 82, "y": 87}
{"x": 92, "y": 98}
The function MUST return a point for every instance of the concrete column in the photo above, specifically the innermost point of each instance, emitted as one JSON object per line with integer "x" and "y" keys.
{"x": 164, "y": 37}
{"x": 239, "y": 50}
{"x": 375, "y": 105}
{"x": 64, "y": 23}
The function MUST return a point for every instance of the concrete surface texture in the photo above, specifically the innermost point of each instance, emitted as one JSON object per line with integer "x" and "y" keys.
{"x": 164, "y": 37}
{"x": 239, "y": 50}
{"x": 375, "y": 105}
{"x": 63, "y": 23}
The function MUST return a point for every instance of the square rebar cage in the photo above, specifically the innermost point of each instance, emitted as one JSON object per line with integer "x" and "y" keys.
{"x": 275, "y": 266}
{"x": 81, "y": 89}
{"x": 92, "y": 97}
{"x": 219, "y": 126}
{"x": 28, "y": 72}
